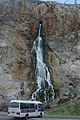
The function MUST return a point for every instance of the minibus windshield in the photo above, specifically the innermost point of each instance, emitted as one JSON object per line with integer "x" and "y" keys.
{"x": 14, "y": 105}
{"x": 40, "y": 106}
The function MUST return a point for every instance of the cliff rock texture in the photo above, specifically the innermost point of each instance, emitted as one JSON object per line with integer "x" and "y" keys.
{"x": 19, "y": 21}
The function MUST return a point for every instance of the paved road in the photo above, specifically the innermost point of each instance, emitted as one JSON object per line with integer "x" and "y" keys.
{"x": 3, "y": 116}
{"x": 54, "y": 118}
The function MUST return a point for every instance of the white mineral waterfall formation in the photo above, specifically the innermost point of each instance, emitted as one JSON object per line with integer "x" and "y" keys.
{"x": 41, "y": 71}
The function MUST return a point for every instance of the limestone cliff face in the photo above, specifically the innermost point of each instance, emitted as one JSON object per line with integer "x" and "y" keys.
{"x": 61, "y": 33}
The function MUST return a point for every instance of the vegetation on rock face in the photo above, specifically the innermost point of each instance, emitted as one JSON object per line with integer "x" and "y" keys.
{"x": 66, "y": 109}
{"x": 41, "y": 95}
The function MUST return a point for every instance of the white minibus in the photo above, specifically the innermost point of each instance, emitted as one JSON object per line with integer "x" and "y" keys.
{"x": 25, "y": 109}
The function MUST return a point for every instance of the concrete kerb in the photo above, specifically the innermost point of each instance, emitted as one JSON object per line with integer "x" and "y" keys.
{"x": 62, "y": 117}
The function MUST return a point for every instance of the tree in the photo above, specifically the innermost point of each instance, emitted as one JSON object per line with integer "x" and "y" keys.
{"x": 65, "y": 1}
{"x": 75, "y": 1}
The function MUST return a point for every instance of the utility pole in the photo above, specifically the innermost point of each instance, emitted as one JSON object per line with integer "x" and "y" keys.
{"x": 75, "y": 2}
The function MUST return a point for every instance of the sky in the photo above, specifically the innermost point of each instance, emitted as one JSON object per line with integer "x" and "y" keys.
{"x": 67, "y": 1}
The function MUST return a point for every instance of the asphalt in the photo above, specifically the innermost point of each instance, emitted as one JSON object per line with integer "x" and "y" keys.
{"x": 3, "y": 113}
{"x": 49, "y": 116}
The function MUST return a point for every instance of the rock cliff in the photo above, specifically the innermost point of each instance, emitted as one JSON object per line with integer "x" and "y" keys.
{"x": 19, "y": 21}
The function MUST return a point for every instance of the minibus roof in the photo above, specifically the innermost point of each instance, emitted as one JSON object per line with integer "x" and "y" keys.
{"x": 26, "y": 101}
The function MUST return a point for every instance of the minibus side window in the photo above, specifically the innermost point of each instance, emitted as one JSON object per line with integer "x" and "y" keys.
{"x": 36, "y": 107}
{"x": 32, "y": 106}
{"x": 24, "y": 106}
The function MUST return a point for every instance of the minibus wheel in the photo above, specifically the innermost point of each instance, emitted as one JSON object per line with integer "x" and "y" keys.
{"x": 40, "y": 115}
{"x": 26, "y": 117}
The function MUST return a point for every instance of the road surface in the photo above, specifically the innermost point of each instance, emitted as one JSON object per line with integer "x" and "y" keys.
{"x": 4, "y": 116}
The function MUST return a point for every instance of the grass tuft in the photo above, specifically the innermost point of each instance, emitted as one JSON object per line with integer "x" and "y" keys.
{"x": 67, "y": 109}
